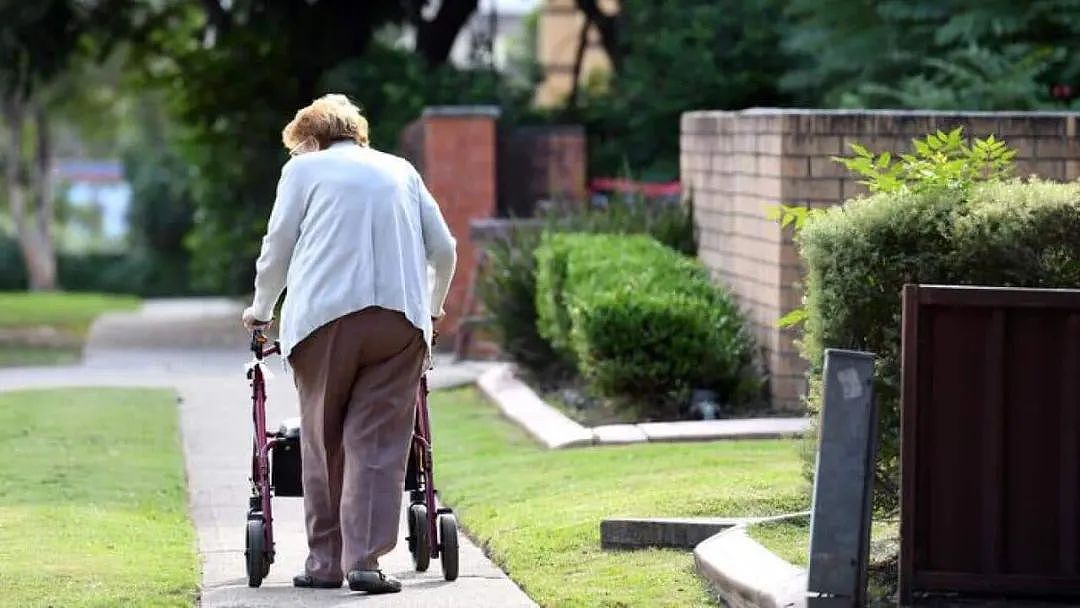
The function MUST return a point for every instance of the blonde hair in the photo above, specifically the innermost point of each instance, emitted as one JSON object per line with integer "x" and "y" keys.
{"x": 328, "y": 119}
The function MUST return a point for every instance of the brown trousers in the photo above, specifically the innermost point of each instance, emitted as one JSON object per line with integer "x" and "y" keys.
{"x": 357, "y": 377}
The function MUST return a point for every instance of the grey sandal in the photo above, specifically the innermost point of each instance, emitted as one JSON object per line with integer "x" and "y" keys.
{"x": 373, "y": 582}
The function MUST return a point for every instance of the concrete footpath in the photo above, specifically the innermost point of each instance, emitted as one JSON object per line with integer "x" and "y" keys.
{"x": 197, "y": 348}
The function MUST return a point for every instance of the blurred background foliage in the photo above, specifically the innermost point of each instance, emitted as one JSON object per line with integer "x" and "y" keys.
{"x": 192, "y": 95}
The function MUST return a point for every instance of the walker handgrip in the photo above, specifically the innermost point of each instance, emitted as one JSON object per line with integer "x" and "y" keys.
{"x": 258, "y": 339}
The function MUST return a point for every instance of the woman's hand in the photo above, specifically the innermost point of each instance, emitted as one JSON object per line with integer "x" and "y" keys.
{"x": 251, "y": 323}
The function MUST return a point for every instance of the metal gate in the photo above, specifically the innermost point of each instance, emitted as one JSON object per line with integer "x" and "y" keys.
{"x": 990, "y": 469}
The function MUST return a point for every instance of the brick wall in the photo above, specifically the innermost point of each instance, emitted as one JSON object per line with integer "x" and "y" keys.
{"x": 737, "y": 164}
{"x": 459, "y": 149}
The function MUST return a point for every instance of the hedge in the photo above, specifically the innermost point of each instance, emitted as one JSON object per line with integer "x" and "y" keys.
{"x": 136, "y": 271}
{"x": 508, "y": 285}
{"x": 639, "y": 320}
{"x": 860, "y": 255}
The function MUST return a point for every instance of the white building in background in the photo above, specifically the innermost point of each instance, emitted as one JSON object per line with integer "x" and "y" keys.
{"x": 98, "y": 200}
{"x": 506, "y": 18}
{"x": 559, "y": 31}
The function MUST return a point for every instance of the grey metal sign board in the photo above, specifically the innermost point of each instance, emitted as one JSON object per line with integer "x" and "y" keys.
{"x": 840, "y": 520}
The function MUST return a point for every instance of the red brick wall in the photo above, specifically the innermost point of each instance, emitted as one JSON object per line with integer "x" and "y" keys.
{"x": 737, "y": 164}
{"x": 459, "y": 152}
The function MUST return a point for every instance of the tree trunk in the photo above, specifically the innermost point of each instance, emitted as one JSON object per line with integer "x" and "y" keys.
{"x": 29, "y": 194}
{"x": 579, "y": 62}
{"x": 435, "y": 38}
{"x": 608, "y": 26}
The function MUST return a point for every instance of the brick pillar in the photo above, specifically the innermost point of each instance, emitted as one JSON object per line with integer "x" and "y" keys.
{"x": 737, "y": 164}
{"x": 459, "y": 149}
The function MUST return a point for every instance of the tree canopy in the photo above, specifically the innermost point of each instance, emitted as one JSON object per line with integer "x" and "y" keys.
{"x": 224, "y": 75}
{"x": 944, "y": 54}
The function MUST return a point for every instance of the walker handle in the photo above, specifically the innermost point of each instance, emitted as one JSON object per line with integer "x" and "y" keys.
{"x": 258, "y": 339}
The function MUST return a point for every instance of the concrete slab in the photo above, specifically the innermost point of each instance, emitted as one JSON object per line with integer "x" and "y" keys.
{"x": 616, "y": 434}
{"x": 519, "y": 403}
{"x": 708, "y": 430}
{"x": 672, "y": 533}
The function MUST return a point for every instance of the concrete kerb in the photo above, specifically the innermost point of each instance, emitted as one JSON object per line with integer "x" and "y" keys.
{"x": 747, "y": 575}
{"x": 519, "y": 403}
{"x": 555, "y": 430}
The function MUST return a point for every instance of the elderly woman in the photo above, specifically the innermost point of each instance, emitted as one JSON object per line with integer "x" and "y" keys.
{"x": 350, "y": 237}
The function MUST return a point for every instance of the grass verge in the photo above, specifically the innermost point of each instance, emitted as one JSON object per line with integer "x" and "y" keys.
{"x": 92, "y": 500}
{"x": 49, "y": 328}
{"x": 71, "y": 312}
{"x": 17, "y": 355}
{"x": 788, "y": 538}
{"x": 538, "y": 512}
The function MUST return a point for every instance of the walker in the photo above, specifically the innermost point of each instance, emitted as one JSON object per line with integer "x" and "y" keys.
{"x": 276, "y": 471}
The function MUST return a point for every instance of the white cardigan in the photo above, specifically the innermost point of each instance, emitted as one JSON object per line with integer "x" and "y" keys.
{"x": 352, "y": 228}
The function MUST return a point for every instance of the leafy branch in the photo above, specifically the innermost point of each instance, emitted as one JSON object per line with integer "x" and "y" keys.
{"x": 939, "y": 161}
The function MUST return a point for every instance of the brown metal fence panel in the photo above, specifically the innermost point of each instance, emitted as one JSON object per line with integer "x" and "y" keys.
{"x": 990, "y": 469}
{"x": 537, "y": 163}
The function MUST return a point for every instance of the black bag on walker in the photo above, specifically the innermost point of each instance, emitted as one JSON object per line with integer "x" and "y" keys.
{"x": 285, "y": 463}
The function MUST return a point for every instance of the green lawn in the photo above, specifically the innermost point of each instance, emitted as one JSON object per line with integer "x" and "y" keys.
{"x": 538, "y": 512}
{"x": 66, "y": 317}
{"x": 71, "y": 312}
{"x": 12, "y": 355}
{"x": 788, "y": 538}
{"x": 92, "y": 500}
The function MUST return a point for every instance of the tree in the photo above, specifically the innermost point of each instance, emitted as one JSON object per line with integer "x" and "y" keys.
{"x": 39, "y": 41}
{"x": 234, "y": 73}
{"x": 674, "y": 57}
{"x": 608, "y": 26}
{"x": 908, "y": 49}
{"x": 435, "y": 37}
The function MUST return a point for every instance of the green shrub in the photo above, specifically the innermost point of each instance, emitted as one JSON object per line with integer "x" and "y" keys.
{"x": 508, "y": 286}
{"x": 12, "y": 267}
{"x": 859, "y": 257}
{"x": 139, "y": 272}
{"x": 599, "y": 273}
{"x": 640, "y": 322}
{"x": 508, "y": 290}
{"x": 945, "y": 213}
{"x": 552, "y": 316}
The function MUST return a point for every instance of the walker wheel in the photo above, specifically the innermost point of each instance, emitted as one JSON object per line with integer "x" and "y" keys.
{"x": 419, "y": 545}
{"x": 258, "y": 566}
{"x": 448, "y": 546}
